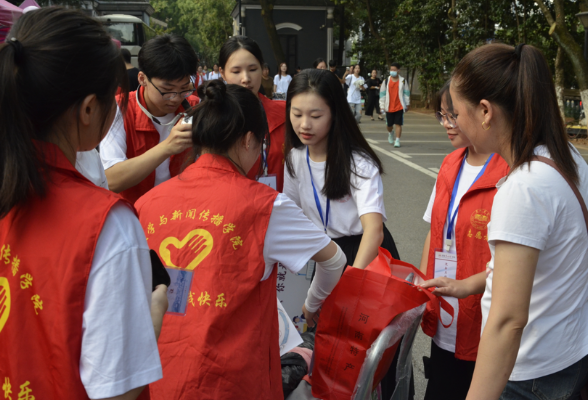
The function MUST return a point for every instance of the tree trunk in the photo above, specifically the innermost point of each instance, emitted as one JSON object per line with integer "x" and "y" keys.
{"x": 559, "y": 80}
{"x": 341, "y": 36}
{"x": 573, "y": 50}
{"x": 267, "y": 11}
{"x": 452, "y": 15}
{"x": 376, "y": 35}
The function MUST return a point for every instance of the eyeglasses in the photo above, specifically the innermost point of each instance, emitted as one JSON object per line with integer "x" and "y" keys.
{"x": 172, "y": 95}
{"x": 450, "y": 118}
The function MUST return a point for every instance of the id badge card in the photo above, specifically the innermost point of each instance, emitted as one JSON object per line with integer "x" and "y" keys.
{"x": 178, "y": 290}
{"x": 270, "y": 180}
{"x": 445, "y": 264}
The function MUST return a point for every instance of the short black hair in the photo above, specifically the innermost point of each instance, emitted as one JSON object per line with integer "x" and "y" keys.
{"x": 168, "y": 57}
{"x": 332, "y": 63}
{"x": 443, "y": 94}
{"x": 395, "y": 64}
{"x": 126, "y": 55}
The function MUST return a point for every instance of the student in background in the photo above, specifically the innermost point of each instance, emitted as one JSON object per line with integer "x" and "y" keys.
{"x": 240, "y": 62}
{"x": 78, "y": 319}
{"x": 132, "y": 71}
{"x": 281, "y": 82}
{"x": 243, "y": 228}
{"x": 144, "y": 148}
{"x": 456, "y": 253}
{"x": 356, "y": 85}
{"x": 394, "y": 101}
{"x": 267, "y": 82}
{"x": 319, "y": 63}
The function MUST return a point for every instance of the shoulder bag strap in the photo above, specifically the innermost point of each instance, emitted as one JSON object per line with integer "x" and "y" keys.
{"x": 550, "y": 162}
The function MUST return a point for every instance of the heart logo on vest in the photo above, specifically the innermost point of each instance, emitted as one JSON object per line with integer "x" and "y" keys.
{"x": 199, "y": 245}
{"x": 4, "y": 302}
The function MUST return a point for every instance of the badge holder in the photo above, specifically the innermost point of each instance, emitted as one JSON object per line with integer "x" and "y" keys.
{"x": 270, "y": 180}
{"x": 178, "y": 290}
{"x": 445, "y": 264}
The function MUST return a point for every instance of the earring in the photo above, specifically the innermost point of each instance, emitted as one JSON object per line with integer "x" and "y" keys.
{"x": 483, "y": 126}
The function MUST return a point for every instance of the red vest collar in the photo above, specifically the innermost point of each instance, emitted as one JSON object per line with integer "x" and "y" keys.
{"x": 217, "y": 162}
{"x": 488, "y": 180}
{"x": 274, "y": 111}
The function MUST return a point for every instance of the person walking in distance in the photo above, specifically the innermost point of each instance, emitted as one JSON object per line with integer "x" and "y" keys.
{"x": 267, "y": 82}
{"x": 281, "y": 82}
{"x": 394, "y": 101}
{"x": 215, "y": 74}
{"x": 373, "y": 95}
{"x": 356, "y": 84}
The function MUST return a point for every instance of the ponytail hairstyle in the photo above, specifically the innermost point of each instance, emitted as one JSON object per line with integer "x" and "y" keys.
{"x": 344, "y": 138}
{"x": 225, "y": 114}
{"x": 520, "y": 83}
{"x": 52, "y": 60}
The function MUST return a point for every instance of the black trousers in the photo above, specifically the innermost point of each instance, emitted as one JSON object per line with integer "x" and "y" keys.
{"x": 373, "y": 101}
{"x": 449, "y": 378}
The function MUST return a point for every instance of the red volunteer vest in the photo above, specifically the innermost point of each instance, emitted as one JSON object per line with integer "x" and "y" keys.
{"x": 141, "y": 137}
{"x": 46, "y": 251}
{"x": 471, "y": 240}
{"x": 213, "y": 220}
{"x": 276, "y": 120}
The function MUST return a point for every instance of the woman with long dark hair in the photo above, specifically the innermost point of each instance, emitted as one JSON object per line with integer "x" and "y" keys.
{"x": 234, "y": 231}
{"x": 373, "y": 100}
{"x": 241, "y": 61}
{"x": 281, "y": 82}
{"x": 332, "y": 172}
{"x": 77, "y": 315}
{"x": 535, "y": 304}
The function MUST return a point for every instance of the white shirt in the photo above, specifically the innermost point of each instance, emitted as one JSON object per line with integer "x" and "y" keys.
{"x": 291, "y": 239}
{"x": 367, "y": 194}
{"x": 282, "y": 83}
{"x": 536, "y": 207}
{"x": 214, "y": 75}
{"x": 113, "y": 148}
{"x": 88, "y": 164}
{"x": 119, "y": 351}
{"x": 445, "y": 337}
{"x": 353, "y": 93}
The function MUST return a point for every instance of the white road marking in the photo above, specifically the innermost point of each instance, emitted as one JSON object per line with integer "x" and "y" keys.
{"x": 436, "y": 170}
{"x": 404, "y": 161}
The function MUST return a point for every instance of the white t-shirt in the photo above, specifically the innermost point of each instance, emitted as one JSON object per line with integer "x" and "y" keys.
{"x": 291, "y": 239}
{"x": 445, "y": 337}
{"x": 353, "y": 93}
{"x": 119, "y": 351}
{"x": 282, "y": 83}
{"x": 88, "y": 164}
{"x": 214, "y": 75}
{"x": 536, "y": 207}
{"x": 367, "y": 194}
{"x": 113, "y": 148}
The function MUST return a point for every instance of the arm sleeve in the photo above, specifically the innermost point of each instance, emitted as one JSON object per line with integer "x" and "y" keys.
{"x": 383, "y": 89}
{"x": 113, "y": 148}
{"x": 291, "y": 238}
{"x": 326, "y": 278}
{"x": 406, "y": 93}
{"x": 276, "y": 79}
{"x": 119, "y": 349}
{"x": 291, "y": 183}
{"x": 348, "y": 79}
{"x": 429, "y": 211}
{"x": 367, "y": 189}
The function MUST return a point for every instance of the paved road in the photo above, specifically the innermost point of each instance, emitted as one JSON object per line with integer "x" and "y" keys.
{"x": 410, "y": 173}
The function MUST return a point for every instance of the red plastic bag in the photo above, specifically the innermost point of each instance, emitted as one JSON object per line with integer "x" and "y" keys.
{"x": 362, "y": 304}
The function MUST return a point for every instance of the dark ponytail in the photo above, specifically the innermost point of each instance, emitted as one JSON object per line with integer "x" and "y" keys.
{"x": 53, "y": 59}
{"x": 225, "y": 114}
{"x": 520, "y": 83}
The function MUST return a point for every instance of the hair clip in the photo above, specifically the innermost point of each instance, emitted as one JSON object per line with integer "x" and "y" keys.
{"x": 518, "y": 50}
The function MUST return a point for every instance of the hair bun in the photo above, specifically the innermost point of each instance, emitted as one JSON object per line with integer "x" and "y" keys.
{"x": 213, "y": 91}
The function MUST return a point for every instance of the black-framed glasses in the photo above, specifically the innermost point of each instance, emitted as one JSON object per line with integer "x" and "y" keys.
{"x": 450, "y": 118}
{"x": 172, "y": 95}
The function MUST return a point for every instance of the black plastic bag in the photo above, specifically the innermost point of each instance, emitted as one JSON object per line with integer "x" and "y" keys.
{"x": 294, "y": 366}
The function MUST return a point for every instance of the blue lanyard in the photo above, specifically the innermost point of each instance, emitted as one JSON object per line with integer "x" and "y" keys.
{"x": 264, "y": 153}
{"x": 316, "y": 197}
{"x": 451, "y": 217}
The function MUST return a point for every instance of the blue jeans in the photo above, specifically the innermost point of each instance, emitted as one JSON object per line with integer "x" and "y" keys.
{"x": 563, "y": 385}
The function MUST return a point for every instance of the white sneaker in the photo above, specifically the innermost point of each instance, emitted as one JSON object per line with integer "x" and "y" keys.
{"x": 391, "y": 137}
{"x": 397, "y": 143}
